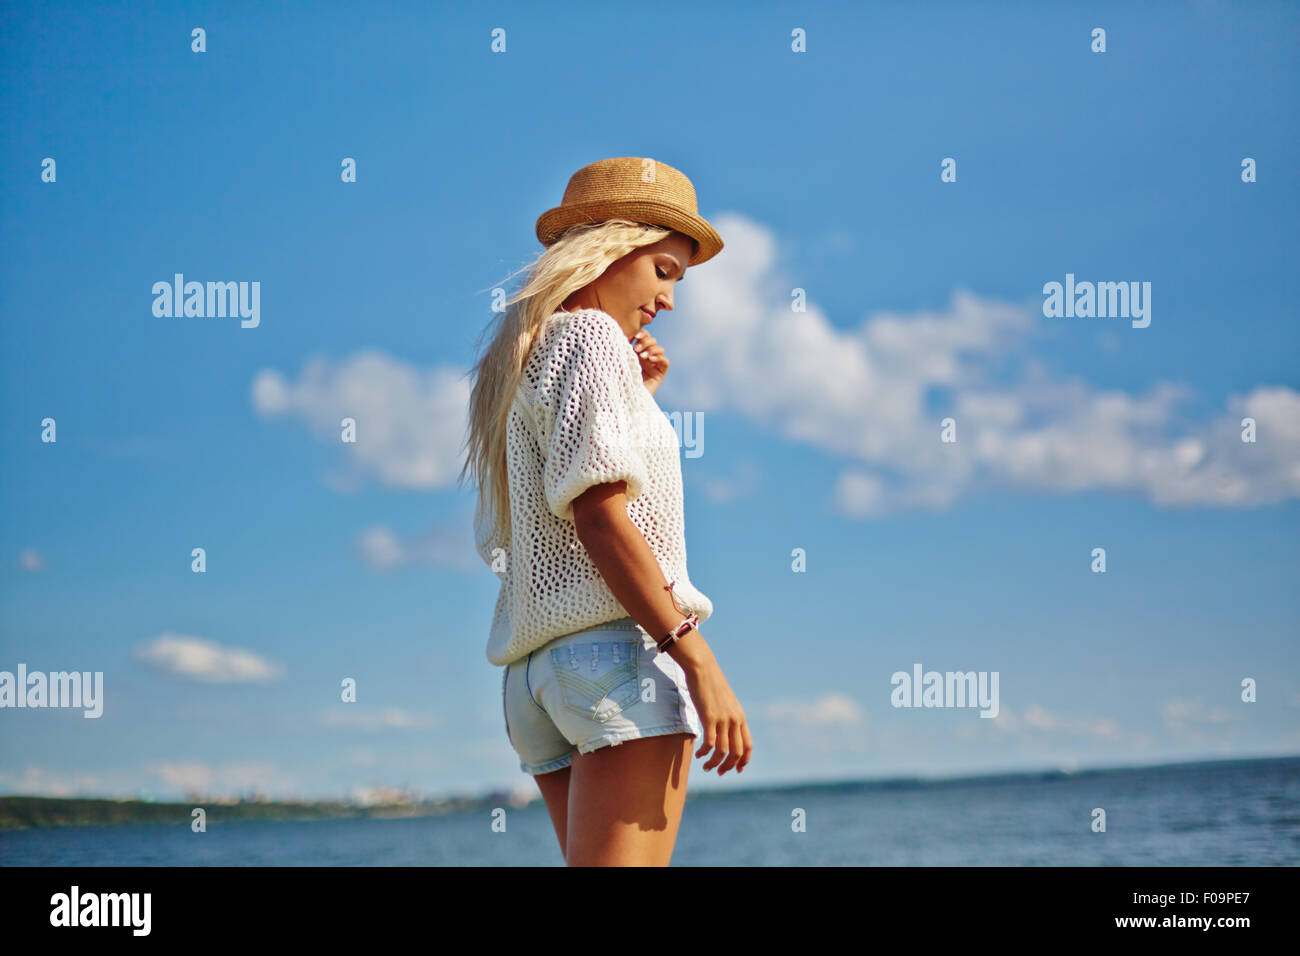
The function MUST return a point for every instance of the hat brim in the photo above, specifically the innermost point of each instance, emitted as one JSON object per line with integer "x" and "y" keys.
{"x": 553, "y": 223}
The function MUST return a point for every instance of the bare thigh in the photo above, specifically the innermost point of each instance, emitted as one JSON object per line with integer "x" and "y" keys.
{"x": 625, "y": 802}
{"x": 555, "y": 791}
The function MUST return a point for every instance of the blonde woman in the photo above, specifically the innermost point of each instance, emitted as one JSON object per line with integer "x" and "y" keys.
{"x": 607, "y": 682}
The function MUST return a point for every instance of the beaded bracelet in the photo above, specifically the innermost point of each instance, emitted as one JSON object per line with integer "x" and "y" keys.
{"x": 669, "y": 639}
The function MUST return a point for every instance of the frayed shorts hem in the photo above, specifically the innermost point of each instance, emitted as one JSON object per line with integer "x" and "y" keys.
{"x": 606, "y": 740}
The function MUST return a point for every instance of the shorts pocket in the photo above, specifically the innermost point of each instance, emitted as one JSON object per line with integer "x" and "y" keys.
{"x": 598, "y": 679}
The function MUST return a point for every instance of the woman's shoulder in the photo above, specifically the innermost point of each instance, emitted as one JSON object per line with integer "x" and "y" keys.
{"x": 578, "y": 350}
{"x": 593, "y": 324}
{"x": 589, "y": 335}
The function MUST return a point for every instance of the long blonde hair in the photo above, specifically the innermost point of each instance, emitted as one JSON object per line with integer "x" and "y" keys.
{"x": 576, "y": 259}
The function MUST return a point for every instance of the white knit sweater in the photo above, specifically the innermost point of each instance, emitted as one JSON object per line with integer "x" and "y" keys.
{"x": 581, "y": 417}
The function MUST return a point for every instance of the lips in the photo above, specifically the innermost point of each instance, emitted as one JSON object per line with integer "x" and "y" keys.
{"x": 648, "y": 314}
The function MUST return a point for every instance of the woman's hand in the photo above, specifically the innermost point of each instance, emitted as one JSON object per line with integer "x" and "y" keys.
{"x": 654, "y": 364}
{"x": 721, "y": 716}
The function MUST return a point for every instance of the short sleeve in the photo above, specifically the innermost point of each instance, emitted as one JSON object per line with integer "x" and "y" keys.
{"x": 588, "y": 426}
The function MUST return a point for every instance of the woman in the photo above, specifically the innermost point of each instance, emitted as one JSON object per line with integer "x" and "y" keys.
{"x": 606, "y": 678}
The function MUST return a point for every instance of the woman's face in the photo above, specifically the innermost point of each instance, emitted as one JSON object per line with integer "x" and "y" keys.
{"x": 639, "y": 283}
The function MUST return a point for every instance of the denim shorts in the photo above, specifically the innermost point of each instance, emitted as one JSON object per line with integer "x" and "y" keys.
{"x": 590, "y": 689}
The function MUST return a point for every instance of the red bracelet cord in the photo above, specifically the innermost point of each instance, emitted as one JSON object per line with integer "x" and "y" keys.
{"x": 687, "y": 623}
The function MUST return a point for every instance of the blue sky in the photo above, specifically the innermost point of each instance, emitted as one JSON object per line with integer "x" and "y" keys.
{"x": 822, "y": 172}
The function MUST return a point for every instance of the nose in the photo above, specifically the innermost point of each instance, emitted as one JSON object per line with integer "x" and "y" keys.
{"x": 665, "y": 301}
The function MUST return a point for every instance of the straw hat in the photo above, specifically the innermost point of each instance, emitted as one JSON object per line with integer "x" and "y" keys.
{"x": 618, "y": 189}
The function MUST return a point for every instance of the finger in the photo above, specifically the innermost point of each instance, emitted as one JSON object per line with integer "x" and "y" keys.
{"x": 737, "y": 751}
{"x": 708, "y": 742}
{"x": 720, "y": 748}
{"x": 749, "y": 747}
{"x": 738, "y": 747}
{"x": 715, "y": 739}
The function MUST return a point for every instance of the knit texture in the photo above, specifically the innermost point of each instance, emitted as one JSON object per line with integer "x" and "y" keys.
{"x": 581, "y": 417}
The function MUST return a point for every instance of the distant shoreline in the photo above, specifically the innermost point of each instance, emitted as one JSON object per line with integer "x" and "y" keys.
{"x": 25, "y": 813}
{"x": 31, "y": 812}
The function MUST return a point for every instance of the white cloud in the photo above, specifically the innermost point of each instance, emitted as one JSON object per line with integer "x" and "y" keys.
{"x": 390, "y": 718}
{"x": 861, "y": 393}
{"x": 201, "y": 660}
{"x": 738, "y": 485}
{"x": 1041, "y": 719}
{"x": 451, "y": 547}
{"x": 410, "y": 423}
{"x": 1191, "y": 716}
{"x": 855, "y": 391}
{"x": 31, "y": 560}
{"x": 38, "y": 781}
{"x": 228, "y": 780}
{"x": 193, "y": 777}
{"x": 828, "y": 710}
{"x": 1038, "y": 721}
{"x": 380, "y": 548}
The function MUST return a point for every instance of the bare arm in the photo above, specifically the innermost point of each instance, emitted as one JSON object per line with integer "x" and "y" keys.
{"x": 624, "y": 559}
